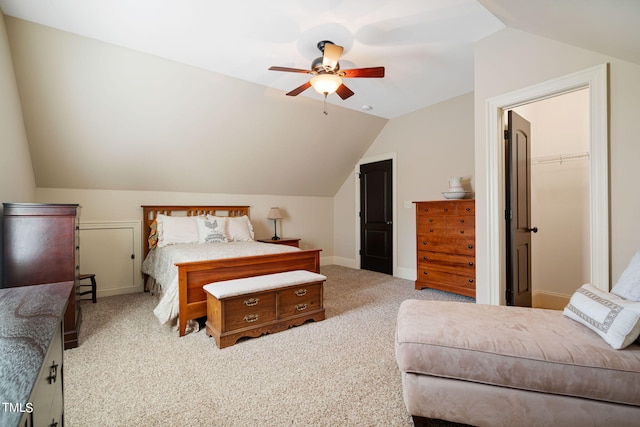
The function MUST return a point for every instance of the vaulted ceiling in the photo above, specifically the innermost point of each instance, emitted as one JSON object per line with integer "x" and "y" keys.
{"x": 177, "y": 96}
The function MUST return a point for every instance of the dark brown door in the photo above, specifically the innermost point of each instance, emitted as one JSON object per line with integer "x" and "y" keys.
{"x": 376, "y": 217}
{"x": 518, "y": 210}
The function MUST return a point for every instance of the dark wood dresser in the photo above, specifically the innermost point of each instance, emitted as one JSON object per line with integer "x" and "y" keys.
{"x": 445, "y": 234}
{"x": 31, "y": 355}
{"x": 41, "y": 245}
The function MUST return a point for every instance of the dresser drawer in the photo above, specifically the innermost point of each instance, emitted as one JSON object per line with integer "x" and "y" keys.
{"x": 462, "y": 246}
{"x": 436, "y": 208}
{"x": 249, "y": 310}
{"x": 47, "y": 395}
{"x": 440, "y": 225}
{"x": 299, "y": 300}
{"x": 428, "y": 258}
{"x": 446, "y": 207}
{"x": 436, "y": 275}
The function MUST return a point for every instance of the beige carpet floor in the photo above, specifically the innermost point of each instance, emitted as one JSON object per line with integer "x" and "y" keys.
{"x": 129, "y": 370}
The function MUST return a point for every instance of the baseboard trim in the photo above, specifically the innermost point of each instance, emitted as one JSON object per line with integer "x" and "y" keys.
{"x": 550, "y": 300}
{"x": 345, "y": 262}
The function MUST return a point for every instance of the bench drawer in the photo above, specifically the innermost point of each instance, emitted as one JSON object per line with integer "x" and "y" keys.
{"x": 249, "y": 310}
{"x": 299, "y": 300}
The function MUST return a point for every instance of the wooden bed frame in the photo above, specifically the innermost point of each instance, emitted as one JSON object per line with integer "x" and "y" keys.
{"x": 192, "y": 276}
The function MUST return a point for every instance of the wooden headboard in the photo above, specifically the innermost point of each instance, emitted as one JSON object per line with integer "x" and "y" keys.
{"x": 150, "y": 212}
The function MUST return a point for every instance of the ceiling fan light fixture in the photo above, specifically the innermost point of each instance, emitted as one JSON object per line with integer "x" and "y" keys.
{"x": 326, "y": 83}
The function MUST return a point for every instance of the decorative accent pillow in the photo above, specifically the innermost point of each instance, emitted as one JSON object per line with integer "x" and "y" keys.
{"x": 239, "y": 229}
{"x": 615, "y": 319}
{"x": 153, "y": 234}
{"x": 176, "y": 229}
{"x": 211, "y": 229}
{"x": 628, "y": 286}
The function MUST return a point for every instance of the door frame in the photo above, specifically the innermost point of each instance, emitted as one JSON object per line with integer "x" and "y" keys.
{"x": 394, "y": 200}
{"x": 596, "y": 80}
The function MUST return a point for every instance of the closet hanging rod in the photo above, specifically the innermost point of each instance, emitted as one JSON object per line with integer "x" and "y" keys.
{"x": 559, "y": 158}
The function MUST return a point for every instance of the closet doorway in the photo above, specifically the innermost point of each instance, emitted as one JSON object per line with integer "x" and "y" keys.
{"x": 560, "y": 170}
{"x": 491, "y": 275}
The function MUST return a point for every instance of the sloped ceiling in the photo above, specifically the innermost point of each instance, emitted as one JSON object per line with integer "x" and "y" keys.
{"x": 611, "y": 27}
{"x": 176, "y": 96}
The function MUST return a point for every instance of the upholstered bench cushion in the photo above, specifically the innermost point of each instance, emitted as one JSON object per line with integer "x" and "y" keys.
{"x": 235, "y": 287}
{"x": 521, "y": 348}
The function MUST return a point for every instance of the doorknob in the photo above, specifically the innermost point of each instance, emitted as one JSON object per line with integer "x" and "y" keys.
{"x": 389, "y": 222}
{"x": 534, "y": 229}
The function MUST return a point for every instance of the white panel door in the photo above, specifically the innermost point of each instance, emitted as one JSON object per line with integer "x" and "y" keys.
{"x": 111, "y": 252}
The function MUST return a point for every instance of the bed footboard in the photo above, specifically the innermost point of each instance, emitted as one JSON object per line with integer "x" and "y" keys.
{"x": 192, "y": 276}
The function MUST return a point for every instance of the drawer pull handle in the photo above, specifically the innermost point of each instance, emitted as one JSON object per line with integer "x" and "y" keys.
{"x": 470, "y": 246}
{"x": 424, "y": 243}
{"x": 251, "y": 302}
{"x": 462, "y": 220}
{"x": 300, "y": 292}
{"x": 461, "y": 231}
{"x": 446, "y": 209}
{"x": 471, "y": 263}
{"x": 468, "y": 209}
{"x": 300, "y": 307}
{"x": 53, "y": 373}
{"x": 250, "y": 318}
{"x": 431, "y": 230}
{"x": 470, "y": 280}
{"x": 424, "y": 272}
{"x": 430, "y": 219}
{"x": 424, "y": 257}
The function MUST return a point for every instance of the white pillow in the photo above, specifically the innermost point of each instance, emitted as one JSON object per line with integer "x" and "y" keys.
{"x": 239, "y": 229}
{"x": 211, "y": 229}
{"x": 615, "y": 319}
{"x": 628, "y": 286}
{"x": 176, "y": 229}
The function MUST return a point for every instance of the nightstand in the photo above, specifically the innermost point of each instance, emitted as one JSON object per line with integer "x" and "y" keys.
{"x": 282, "y": 241}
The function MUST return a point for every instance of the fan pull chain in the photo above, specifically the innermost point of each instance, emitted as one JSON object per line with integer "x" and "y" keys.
{"x": 325, "y": 104}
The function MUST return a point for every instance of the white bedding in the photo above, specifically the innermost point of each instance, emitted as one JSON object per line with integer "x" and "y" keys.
{"x": 160, "y": 264}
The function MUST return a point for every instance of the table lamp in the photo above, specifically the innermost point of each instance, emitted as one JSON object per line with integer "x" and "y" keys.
{"x": 275, "y": 215}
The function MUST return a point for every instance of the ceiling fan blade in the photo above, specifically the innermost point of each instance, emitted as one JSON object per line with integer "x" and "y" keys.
{"x": 299, "y": 89}
{"x": 331, "y": 55}
{"x": 363, "y": 72}
{"x": 290, "y": 70}
{"x": 344, "y": 92}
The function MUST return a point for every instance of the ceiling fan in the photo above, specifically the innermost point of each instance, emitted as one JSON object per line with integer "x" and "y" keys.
{"x": 327, "y": 75}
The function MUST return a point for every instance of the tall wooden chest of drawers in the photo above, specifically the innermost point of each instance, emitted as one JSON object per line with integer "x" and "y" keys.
{"x": 41, "y": 245}
{"x": 446, "y": 246}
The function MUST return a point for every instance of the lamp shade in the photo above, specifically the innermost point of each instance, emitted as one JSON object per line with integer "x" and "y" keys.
{"x": 274, "y": 213}
{"x": 326, "y": 83}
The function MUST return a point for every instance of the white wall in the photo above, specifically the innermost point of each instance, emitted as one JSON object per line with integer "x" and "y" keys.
{"x": 17, "y": 183}
{"x": 540, "y": 60}
{"x": 431, "y": 145}
{"x": 307, "y": 218}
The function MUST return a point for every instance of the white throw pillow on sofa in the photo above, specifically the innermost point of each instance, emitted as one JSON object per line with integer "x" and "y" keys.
{"x": 615, "y": 319}
{"x": 628, "y": 286}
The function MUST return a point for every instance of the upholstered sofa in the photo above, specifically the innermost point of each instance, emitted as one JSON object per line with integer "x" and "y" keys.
{"x": 511, "y": 366}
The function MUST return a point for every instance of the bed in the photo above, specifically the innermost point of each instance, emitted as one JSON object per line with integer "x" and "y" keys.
{"x": 193, "y": 274}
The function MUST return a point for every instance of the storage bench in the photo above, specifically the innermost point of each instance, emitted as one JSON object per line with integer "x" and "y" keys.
{"x": 258, "y": 305}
